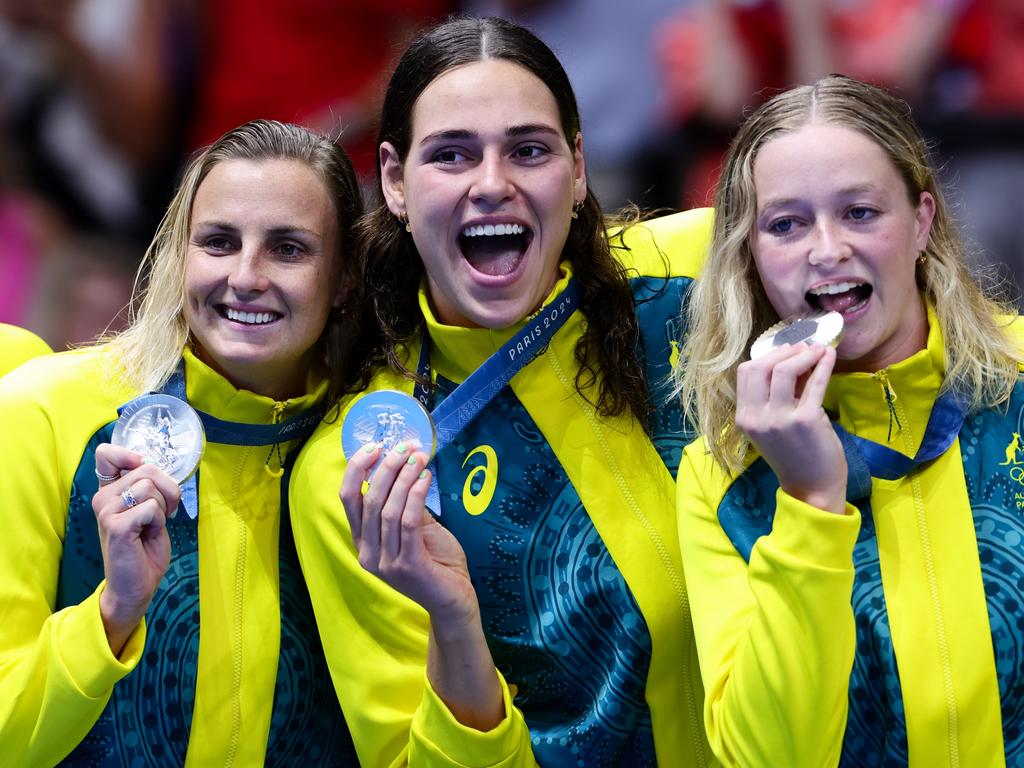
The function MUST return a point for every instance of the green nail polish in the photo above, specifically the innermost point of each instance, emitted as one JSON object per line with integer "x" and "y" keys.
{"x": 423, "y": 474}
{"x": 369, "y": 447}
{"x": 401, "y": 448}
{"x": 411, "y": 461}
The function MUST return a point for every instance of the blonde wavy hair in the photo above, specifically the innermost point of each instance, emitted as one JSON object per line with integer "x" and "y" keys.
{"x": 150, "y": 348}
{"x": 729, "y": 306}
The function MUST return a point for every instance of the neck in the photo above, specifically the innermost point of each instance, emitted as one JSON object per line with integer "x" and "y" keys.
{"x": 253, "y": 378}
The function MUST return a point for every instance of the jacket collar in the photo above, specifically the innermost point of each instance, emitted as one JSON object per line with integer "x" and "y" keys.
{"x": 455, "y": 352}
{"x": 209, "y": 391}
{"x": 875, "y": 405}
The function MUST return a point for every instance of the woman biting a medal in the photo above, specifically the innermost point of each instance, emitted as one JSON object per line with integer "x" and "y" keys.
{"x": 850, "y": 522}
{"x": 135, "y": 631}
{"x": 545, "y": 616}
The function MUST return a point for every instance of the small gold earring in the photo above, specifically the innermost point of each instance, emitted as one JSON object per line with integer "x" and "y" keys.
{"x": 922, "y": 257}
{"x": 576, "y": 208}
{"x": 403, "y": 218}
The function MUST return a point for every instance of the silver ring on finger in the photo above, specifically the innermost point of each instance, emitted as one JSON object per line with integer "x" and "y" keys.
{"x": 106, "y": 478}
{"x": 128, "y": 498}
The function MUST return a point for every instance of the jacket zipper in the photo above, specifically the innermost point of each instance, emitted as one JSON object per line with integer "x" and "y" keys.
{"x": 896, "y": 410}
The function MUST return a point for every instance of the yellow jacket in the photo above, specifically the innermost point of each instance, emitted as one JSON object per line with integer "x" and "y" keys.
{"x": 891, "y": 634}
{"x": 18, "y": 345}
{"x": 544, "y": 496}
{"x": 57, "y": 673}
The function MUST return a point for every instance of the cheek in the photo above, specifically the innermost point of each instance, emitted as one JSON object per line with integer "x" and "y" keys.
{"x": 192, "y": 298}
{"x": 559, "y": 197}
{"x": 197, "y": 280}
{"x": 437, "y": 272}
{"x": 779, "y": 284}
{"x": 429, "y": 198}
{"x": 315, "y": 294}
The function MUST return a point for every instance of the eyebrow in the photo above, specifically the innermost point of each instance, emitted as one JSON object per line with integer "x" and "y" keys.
{"x": 277, "y": 231}
{"x": 854, "y": 190}
{"x": 512, "y": 131}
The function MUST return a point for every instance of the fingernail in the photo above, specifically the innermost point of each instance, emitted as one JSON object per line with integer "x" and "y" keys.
{"x": 423, "y": 474}
{"x": 401, "y": 448}
{"x": 369, "y": 448}
{"x": 411, "y": 461}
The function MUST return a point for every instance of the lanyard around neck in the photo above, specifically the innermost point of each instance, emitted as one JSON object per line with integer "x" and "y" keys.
{"x": 470, "y": 397}
{"x": 866, "y": 458}
{"x": 299, "y": 427}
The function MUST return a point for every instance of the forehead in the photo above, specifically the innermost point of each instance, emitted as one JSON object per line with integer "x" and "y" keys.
{"x": 822, "y": 156}
{"x": 263, "y": 190}
{"x": 481, "y": 96}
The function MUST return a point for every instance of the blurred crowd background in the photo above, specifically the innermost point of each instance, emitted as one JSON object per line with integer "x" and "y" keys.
{"x": 102, "y": 101}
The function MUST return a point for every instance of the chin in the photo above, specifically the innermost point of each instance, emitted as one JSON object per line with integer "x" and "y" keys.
{"x": 497, "y": 320}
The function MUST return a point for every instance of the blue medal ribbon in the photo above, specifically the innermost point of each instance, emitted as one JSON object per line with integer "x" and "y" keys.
{"x": 470, "y": 397}
{"x": 299, "y": 427}
{"x": 866, "y": 459}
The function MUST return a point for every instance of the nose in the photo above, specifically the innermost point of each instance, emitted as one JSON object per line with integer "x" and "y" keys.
{"x": 493, "y": 183}
{"x": 248, "y": 272}
{"x": 829, "y": 246}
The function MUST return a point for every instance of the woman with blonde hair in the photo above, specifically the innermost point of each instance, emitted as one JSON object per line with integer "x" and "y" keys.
{"x": 849, "y": 522}
{"x": 109, "y": 569}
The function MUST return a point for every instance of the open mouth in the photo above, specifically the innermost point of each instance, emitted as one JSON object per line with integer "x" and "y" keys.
{"x": 839, "y": 297}
{"x": 494, "y": 249}
{"x": 247, "y": 318}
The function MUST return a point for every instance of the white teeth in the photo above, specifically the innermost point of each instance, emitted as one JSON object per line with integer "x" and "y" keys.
{"x": 833, "y": 288}
{"x": 488, "y": 230}
{"x": 249, "y": 318}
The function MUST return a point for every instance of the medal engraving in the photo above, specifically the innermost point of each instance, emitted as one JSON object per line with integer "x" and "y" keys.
{"x": 816, "y": 328}
{"x": 165, "y": 431}
{"x": 387, "y": 418}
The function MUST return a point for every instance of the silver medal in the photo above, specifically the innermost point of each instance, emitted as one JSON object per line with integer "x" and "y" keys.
{"x": 165, "y": 431}
{"x": 387, "y": 417}
{"x": 815, "y": 328}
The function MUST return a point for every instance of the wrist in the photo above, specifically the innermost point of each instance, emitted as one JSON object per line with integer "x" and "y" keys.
{"x": 118, "y": 623}
{"x": 462, "y": 674}
{"x": 451, "y": 626}
{"x": 828, "y": 500}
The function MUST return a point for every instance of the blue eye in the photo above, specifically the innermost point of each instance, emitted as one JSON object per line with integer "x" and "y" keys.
{"x": 217, "y": 243}
{"x": 289, "y": 251}
{"x": 781, "y": 226}
{"x": 861, "y": 213}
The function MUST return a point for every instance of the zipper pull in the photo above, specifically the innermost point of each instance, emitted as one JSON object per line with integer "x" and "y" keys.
{"x": 890, "y": 398}
{"x": 277, "y": 412}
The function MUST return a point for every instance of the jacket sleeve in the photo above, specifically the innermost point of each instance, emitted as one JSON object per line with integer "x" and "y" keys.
{"x": 18, "y": 345}
{"x": 775, "y": 637}
{"x": 56, "y": 669}
{"x": 375, "y": 640}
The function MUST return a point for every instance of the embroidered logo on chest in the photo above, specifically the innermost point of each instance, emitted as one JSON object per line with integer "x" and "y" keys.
{"x": 478, "y": 490}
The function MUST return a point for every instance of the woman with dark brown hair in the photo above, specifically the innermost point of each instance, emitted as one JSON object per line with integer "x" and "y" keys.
{"x": 544, "y": 616}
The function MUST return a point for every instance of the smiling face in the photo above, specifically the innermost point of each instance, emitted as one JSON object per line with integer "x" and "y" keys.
{"x": 836, "y": 230}
{"x": 488, "y": 186}
{"x": 260, "y": 272}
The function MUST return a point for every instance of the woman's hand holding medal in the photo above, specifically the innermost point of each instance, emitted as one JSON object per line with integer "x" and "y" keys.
{"x": 131, "y": 514}
{"x": 779, "y": 408}
{"x": 396, "y": 537}
{"x": 399, "y": 541}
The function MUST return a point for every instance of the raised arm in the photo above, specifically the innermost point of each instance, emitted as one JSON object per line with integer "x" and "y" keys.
{"x": 775, "y": 634}
{"x": 413, "y": 690}
{"x": 57, "y": 669}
